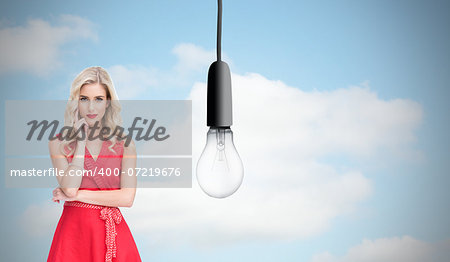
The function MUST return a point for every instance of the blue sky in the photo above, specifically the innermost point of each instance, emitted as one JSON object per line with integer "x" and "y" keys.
{"x": 397, "y": 50}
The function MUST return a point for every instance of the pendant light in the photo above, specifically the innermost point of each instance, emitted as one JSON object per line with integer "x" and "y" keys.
{"x": 219, "y": 169}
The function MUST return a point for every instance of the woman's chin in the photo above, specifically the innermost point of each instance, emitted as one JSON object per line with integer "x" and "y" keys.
{"x": 91, "y": 122}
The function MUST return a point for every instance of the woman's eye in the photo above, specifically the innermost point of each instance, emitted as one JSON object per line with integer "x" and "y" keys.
{"x": 99, "y": 99}
{"x": 83, "y": 98}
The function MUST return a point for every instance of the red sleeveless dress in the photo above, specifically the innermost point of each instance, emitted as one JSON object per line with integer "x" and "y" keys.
{"x": 94, "y": 233}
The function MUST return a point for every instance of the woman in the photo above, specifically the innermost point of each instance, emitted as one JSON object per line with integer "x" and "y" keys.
{"x": 91, "y": 227}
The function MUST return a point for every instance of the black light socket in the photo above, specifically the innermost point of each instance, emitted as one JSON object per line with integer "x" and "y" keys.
{"x": 219, "y": 107}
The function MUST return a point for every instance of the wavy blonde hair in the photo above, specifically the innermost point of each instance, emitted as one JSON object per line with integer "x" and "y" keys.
{"x": 111, "y": 119}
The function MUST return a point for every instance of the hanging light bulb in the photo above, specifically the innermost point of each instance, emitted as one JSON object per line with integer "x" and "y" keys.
{"x": 219, "y": 169}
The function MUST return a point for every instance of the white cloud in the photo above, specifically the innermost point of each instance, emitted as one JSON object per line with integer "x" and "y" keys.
{"x": 192, "y": 58}
{"x": 396, "y": 249}
{"x": 281, "y": 133}
{"x": 137, "y": 81}
{"x": 132, "y": 81}
{"x": 37, "y": 46}
{"x": 347, "y": 120}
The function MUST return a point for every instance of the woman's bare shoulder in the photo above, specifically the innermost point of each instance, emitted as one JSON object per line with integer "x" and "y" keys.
{"x": 129, "y": 148}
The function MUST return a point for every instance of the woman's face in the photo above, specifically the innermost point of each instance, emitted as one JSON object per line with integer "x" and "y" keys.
{"x": 92, "y": 103}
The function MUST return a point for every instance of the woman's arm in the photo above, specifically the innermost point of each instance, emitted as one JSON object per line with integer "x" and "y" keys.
{"x": 68, "y": 183}
{"x": 123, "y": 197}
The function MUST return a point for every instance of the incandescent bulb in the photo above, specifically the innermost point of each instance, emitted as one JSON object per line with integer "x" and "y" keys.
{"x": 219, "y": 169}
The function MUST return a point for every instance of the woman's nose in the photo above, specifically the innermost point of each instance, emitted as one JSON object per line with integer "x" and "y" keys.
{"x": 91, "y": 105}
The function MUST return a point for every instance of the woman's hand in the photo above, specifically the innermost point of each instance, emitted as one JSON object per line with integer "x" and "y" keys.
{"x": 58, "y": 195}
{"x": 78, "y": 123}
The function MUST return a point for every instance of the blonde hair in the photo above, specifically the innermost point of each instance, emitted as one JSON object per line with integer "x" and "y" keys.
{"x": 111, "y": 119}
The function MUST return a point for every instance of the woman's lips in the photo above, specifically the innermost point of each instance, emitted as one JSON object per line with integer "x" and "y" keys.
{"x": 91, "y": 115}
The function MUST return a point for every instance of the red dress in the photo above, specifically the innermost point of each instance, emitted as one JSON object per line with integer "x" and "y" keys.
{"x": 93, "y": 233}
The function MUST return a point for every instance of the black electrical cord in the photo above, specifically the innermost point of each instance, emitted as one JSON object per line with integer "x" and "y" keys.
{"x": 219, "y": 30}
{"x": 219, "y": 108}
